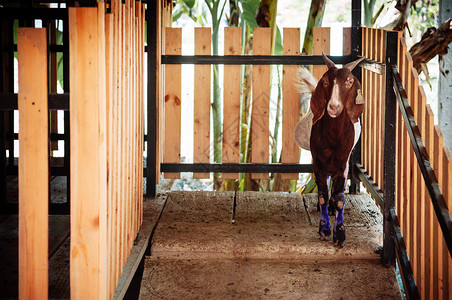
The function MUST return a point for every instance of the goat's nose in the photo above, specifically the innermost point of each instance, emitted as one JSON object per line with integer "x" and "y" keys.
{"x": 334, "y": 106}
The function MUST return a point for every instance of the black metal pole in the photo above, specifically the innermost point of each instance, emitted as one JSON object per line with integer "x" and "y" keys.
{"x": 151, "y": 18}
{"x": 356, "y": 51}
{"x": 3, "y": 186}
{"x": 388, "y": 257}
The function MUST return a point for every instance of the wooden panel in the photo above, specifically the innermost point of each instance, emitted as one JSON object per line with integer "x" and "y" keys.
{"x": 231, "y": 119}
{"x": 423, "y": 204}
{"x": 261, "y": 100}
{"x": 172, "y": 127}
{"x": 290, "y": 152}
{"x": 414, "y": 184}
{"x": 447, "y": 193}
{"x": 437, "y": 243}
{"x": 346, "y": 41}
{"x": 320, "y": 42}
{"x": 88, "y": 153}
{"x": 109, "y": 64}
{"x": 430, "y": 214}
{"x": 33, "y": 160}
{"x": 201, "y": 139}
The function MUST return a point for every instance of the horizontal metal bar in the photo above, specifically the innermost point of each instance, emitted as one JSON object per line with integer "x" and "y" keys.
{"x": 54, "y": 171}
{"x": 373, "y": 66}
{"x": 404, "y": 261}
{"x": 37, "y": 13}
{"x": 8, "y": 101}
{"x": 252, "y": 59}
{"x": 54, "y": 208}
{"x": 53, "y": 136}
{"x": 236, "y": 168}
{"x": 53, "y": 48}
{"x": 370, "y": 185}
{"x": 438, "y": 201}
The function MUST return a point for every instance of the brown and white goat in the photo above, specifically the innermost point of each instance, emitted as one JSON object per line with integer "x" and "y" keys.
{"x": 336, "y": 105}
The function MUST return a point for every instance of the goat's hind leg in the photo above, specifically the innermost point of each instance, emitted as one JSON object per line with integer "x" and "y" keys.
{"x": 324, "y": 225}
{"x": 339, "y": 204}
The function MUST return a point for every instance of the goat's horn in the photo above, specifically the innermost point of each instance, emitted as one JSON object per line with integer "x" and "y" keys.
{"x": 353, "y": 64}
{"x": 329, "y": 63}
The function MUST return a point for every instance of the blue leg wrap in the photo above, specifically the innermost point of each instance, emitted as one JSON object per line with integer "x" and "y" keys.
{"x": 324, "y": 226}
{"x": 339, "y": 228}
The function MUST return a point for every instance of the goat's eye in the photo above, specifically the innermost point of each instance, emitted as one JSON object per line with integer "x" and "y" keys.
{"x": 349, "y": 82}
{"x": 325, "y": 83}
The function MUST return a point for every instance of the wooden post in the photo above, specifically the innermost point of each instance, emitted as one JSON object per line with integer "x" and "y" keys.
{"x": 290, "y": 152}
{"x": 261, "y": 102}
{"x": 388, "y": 257}
{"x": 231, "y": 109}
{"x": 88, "y": 258}
{"x": 201, "y": 138}
{"x": 171, "y": 154}
{"x": 33, "y": 160}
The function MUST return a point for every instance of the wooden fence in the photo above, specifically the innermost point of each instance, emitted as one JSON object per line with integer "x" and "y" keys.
{"x": 106, "y": 106}
{"x": 428, "y": 253}
{"x": 260, "y": 85}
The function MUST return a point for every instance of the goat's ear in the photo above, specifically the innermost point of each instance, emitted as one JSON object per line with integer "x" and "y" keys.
{"x": 353, "y": 64}
{"x": 329, "y": 63}
{"x": 354, "y": 110}
{"x": 318, "y": 103}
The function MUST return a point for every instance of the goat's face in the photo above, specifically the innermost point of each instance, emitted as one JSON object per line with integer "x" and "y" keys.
{"x": 336, "y": 91}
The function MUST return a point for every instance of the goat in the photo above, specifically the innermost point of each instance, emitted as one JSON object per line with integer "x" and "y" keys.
{"x": 335, "y": 107}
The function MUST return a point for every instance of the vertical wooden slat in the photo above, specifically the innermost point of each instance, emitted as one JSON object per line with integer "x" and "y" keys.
{"x": 88, "y": 153}
{"x": 365, "y": 119}
{"x": 438, "y": 167}
{"x": 122, "y": 144}
{"x": 346, "y": 41}
{"x": 447, "y": 192}
{"x": 423, "y": 204}
{"x": 109, "y": 102}
{"x": 172, "y": 127}
{"x": 320, "y": 42}
{"x": 231, "y": 119}
{"x": 415, "y": 182}
{"x": 374, "y": 108}
{"x": 33, "y": 159}
{"x": 429, "y": 133}
{"x": 290, "y": 152}
{"x": 261, "y": 101}
{"x": 201, "y": 139}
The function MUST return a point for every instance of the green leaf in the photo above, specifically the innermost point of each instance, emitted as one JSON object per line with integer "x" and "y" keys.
{"x": 249, "y": 10}
{"x": 190, "y": 3}
{"x": 278, "y": 46}
{"x": 60, "y": 68}
{"x": 177, "y": 12}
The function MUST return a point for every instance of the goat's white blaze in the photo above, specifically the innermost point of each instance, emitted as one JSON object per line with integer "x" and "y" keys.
{"x": 334, "y": 105}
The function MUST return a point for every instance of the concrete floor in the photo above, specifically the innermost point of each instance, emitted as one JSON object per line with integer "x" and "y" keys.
{"x": 250, "y": 245}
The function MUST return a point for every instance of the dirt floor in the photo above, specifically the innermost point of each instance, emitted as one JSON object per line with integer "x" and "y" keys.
{"x": 250, "y": 245}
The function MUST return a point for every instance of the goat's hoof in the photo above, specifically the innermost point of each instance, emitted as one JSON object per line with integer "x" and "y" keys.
{"x": 339, "y": 235}
{"x": 324, "y": 231}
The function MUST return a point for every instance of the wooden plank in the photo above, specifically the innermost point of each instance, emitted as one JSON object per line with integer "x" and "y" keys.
{"x": 415, "y": 183}
{"x": 447, "y": 193}
{"x": 172, "y": 127}
{"x": 430, "y": 215}
{"x": 438, "y": 145}
{"x": 231, "y": 115}
{"x": 365, "y": 118}
{"x": 261, "y": 101}
{"x": 290, "y": 152}
{"x": 115, "y": 173}
{"x": 346, "y": 41}
{"x": 201, "y": 138}
{"x": 320, "y": 42}
{"x": 33, "y": 160}
{"x": 423, "y": 198}
{"x": 88, "y": 153}
{"x": 109, "y": 102}
{"x": 374, "y": 108}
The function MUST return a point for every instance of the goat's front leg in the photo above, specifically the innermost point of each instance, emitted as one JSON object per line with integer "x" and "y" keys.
{"x": 338, "y": 199}
{"x": 324, "y": 225}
